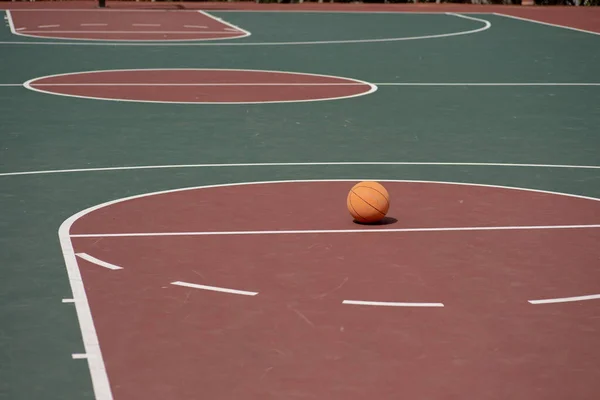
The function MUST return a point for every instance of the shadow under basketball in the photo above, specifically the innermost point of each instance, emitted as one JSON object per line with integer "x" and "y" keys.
{"x": 383, "y": 221}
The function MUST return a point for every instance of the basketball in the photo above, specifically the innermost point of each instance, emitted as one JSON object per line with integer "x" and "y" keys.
{"x": 368, "y": 202}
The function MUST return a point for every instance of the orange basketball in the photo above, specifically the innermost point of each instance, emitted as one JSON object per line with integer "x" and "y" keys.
{"x": 368, "y": 202}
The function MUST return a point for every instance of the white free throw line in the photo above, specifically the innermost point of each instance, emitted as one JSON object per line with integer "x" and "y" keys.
{"x": 391, "y": 304}
{"x": 308, "y": 231}
{"x": 96, "y": 261}
{"x": 214, "y": 288}
{"x": 566, "y": 299}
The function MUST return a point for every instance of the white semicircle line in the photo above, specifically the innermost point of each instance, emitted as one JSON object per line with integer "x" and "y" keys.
{"x": 566, "y": 299}
{"x": 214, "y": 288}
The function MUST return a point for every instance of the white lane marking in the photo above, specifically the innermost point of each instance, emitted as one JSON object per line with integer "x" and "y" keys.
{"x": 295, "y": 164}
{"x": 566, "y": 299}
{"x": 68, "y": 300}
{"x": 79, "y": 356}
{"x": 391, "y": 304}
{"x": 96, "y": 261}
{"x": 334, "y": 231}
{"x": 232, "y": 27}
{"x": 11, "y": 24}
{"x": 93, "y": 24}
{"x": 547, "y": 23}
{"x": 195, "y": 26}
{"x": 145, "y": 24}
{"x": 46, "y": 26}
{"x": 214, "y": 288}
{"x": 116, "y": 42}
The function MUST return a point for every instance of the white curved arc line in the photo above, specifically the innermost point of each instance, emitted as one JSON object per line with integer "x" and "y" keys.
{"x": 95, "y": 361}
{"x": 566, "y": 299}
{"x": 372, "y": 88}
{"x": 296, "y": 164}
{"x": 486, "y": 26}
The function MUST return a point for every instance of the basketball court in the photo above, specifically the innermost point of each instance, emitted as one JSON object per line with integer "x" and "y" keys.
{"x": 174, "y": 180}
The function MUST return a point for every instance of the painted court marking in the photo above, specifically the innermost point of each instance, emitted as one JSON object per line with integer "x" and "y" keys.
{"x": 135, "y": 32}
{"x": 566, "y": 299}
{"x": 308, "y": 90}
{"x": 296, "y": 164}
{"x": 96, "y": 261}
{"x": 323, "y": 231}
{"x": 79, "y": 356}
{"x": 391, "y": 304}
{"x": 486, "y": 26}
{"x": 214, "y": 288}
{"x": 547, "y": 23}
{"x": 228, "y": 32}
{"x": 68, "y": 300}
{"x": 100, "y": 380}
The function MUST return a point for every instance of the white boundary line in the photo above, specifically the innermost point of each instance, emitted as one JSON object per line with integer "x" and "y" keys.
{"x": 223, "y": 22}
{"x": 566, "y": 299}
{"x": 93, "y": 353}
{"x": 95, "y": 361}
{"x": 214, "y": 288}
{"x": 391, "y": 304}
{"x": 337, "y": 231}
{"x": 486, "y": 26}
{"x": 372, "y": 87}
{"x": 298, "y": 164}
{"x": 546, "y": 23}
{"x": 112, "y": 42}
{"x": 11, "y": 24}
{"x": 96, "y": 261}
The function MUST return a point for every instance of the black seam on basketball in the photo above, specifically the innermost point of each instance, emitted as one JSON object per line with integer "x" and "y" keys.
{"x": 372, "y": 188}
{"x": 366, "y": 202}
{"x": 354, "y": 209}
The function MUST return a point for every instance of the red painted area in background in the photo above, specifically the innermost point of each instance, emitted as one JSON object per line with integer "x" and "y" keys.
{"x": 296, "y": 339}
{"x": 239, "y": 86}
{"x": 122, "y": 26}
{"x": 587, "y": 18}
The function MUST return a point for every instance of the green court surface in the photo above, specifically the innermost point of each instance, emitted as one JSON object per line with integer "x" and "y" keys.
{"x": 535, "y": 103}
